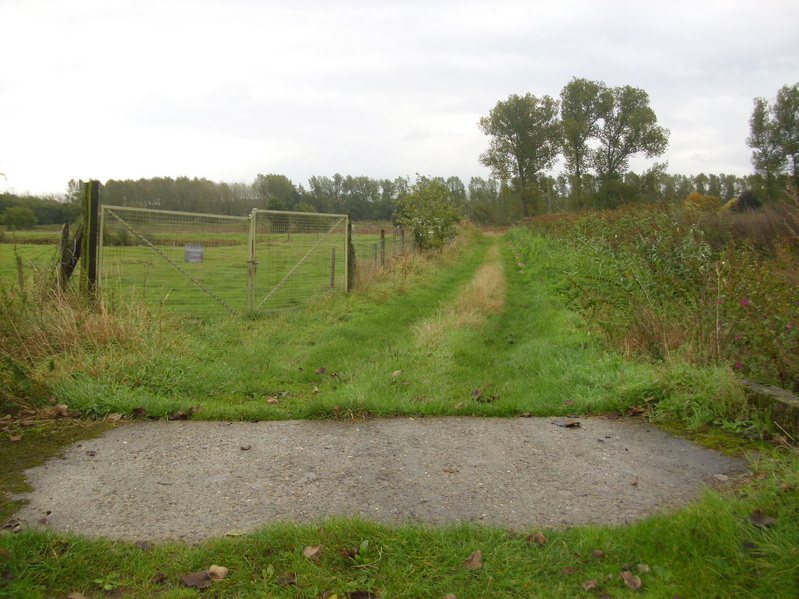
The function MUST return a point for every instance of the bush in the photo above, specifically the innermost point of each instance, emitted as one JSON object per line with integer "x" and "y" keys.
{"x": 430, "y": 212}
{"x": 18, "y": 217}
{"x": 670, "y": 281}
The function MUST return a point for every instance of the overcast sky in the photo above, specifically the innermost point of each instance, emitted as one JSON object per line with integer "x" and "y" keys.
{"x": 110, "y": 89}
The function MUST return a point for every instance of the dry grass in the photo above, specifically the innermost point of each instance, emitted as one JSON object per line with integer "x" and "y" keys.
{"x": 482, "y": 296}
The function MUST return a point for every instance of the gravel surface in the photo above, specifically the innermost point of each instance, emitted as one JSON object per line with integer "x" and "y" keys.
{"x": 191, "y": 480}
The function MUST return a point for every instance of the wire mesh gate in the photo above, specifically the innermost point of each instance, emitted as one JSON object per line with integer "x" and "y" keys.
{"x": 212, "y": 264}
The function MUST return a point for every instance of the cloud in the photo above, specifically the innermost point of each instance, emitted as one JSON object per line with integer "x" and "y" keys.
{"x": 229, "y": 89}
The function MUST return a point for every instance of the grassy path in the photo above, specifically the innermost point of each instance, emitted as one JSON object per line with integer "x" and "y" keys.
{"x": 473, "y": 334}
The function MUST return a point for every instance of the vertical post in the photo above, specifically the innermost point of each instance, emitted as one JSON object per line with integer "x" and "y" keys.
{"x": 382, "y": 247}
{"x": 252, "y": 263}
{"x": 66, "y": 258}
{"x": 332, "y": 267}
{"x": 349, "y": 256}
{"x": 402, "y": 236}
{"x": 88, "y": 255}
{"x": 20, "y": 273}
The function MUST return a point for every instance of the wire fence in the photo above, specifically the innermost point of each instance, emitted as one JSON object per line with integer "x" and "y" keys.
{"x": 204, "y": 264}
{"x": 377, "y": 243}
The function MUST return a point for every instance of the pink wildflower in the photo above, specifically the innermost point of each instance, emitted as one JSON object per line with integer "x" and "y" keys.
{"x": 744, "y": 302}
{"x": 738, "y": 364}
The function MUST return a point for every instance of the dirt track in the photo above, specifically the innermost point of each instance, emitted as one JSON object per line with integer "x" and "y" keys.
{"x": 193, "y": 480}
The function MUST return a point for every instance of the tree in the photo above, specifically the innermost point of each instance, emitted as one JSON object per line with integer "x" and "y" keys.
{"x": 429, "y": 211}
{"x": 786, "y": 118}
{"x": 275, "y": 192}
{"x": 583, "y": 103}
{"x": 525, "y": 140}
{"x": 18, "y": 217}
{"x": 767, "y": 156}
{"x": 628, "y": 126}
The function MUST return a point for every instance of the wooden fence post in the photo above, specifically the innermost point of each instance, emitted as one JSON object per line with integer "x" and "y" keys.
{"x": 382, "y": 247}
{"x": 88, "y": 255}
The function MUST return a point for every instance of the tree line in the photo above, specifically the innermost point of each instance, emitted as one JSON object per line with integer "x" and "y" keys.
{"x": 593, "y": 128}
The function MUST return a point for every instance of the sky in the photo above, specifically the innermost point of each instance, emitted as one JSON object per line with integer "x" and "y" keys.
{"x": 228, "y": 89}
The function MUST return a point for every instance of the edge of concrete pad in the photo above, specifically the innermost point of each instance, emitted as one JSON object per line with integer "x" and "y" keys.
{"x": 781, "y": 405}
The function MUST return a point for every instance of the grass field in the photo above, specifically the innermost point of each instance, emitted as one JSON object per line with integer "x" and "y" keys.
{"x": 475, "y": 330}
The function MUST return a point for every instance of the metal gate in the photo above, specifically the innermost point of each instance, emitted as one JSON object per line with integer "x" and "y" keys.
{"x": 207, "y": 263}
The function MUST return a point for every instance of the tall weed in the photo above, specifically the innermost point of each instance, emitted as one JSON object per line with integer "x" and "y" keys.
{"x": 670, "y": 282}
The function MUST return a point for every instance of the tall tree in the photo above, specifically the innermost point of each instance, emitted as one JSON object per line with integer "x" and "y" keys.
{"x": 786, "y": 117}
{"x": 767, "y": 155}
{"x": 525, "y": 140}
{"x": 629, "y": 126}
{"x": 583, "y": 103}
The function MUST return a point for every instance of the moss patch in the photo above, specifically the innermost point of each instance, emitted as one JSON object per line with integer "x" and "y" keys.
{"x": 39, "y": 440}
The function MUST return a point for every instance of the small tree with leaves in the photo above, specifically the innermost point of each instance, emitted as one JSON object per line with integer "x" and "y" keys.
{"x": 429, "y": 211}
{"x": 18, "y": 217}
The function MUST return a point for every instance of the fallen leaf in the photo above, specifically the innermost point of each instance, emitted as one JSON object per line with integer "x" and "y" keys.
{"x": 313, "y": 552}
{"x": 327, "y": 595}
{"x": 60, "y": 409}
{"x": 91, "y": 453}
{"x": 450, "y": 470}
{"x": 272, "y": 400}
{"x": 566, "y": 422}
{"x": 396, "y": 373}
{"x": 76, "y": 595}
{"x": 115, "y": 417}
{"x": 615, "y": 415}
{"x": 450, "y": 596}
{"x": 316, "y": 390}
{"x": 198, "y": 580}
{"x": 476, "y": 394}
{"x": 158, "y": 577}
{"x": 15, "y": 439}
{"x": 631, "y": 580}
{"x": 217, "y": 572}
{"x": 235, "y": 533}
{"x": 635, "y": 482}
{"x": 143, "y": 545}
{"x": 474, "y": 561}
{"x": 567, "y": 570}
{"x": 321, "y": 370}
{"x": 179, "y": 415}
{"x": 44, "y": 519}
{"x": 760, "y": 520}
{"x": 362, "y": 595}
{"x": 538, "y": 538}
{"x": 568, "y": 402}
{"x": 246, "y": 447}
{"x": 590, "y": 584}
{"x": 459, "y": 405}
{"x": 598, "y": 553}
{"x": 349, "y": 552}
{"x": 422, "y": 398}
{"x": 139, "y": 412}
{"x": 526, "y": 415}
{"x": 643, "y": 568}
{"x": 288, "y": 578}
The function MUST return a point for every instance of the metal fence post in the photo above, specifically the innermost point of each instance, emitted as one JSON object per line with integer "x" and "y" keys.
{"x": 252, "y": 263}
{"x": 349, "y": 256}
{"x": 332, "y": 267}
